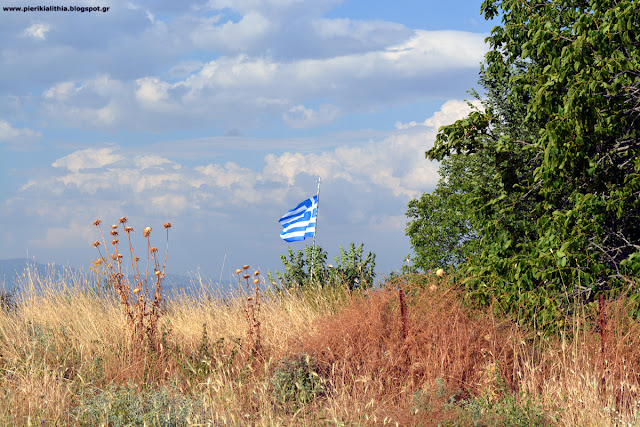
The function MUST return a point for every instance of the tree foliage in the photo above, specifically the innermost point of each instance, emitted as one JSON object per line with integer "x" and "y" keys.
{"x": 559, "y": 220}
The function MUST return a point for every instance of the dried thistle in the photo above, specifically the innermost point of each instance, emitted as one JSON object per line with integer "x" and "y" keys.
{"x": 113, "y": 257}
{"x": 97, "y": 222}
{"x": 246, "y": 276}
{"x": 157, "y": 273}
{"x": 114, "y": 242}
{"x": 167, "y": 225}
{"x": 136, "y": 259}
{"x": 120, "y": 256}
{"x": 146, "y": 232}
{"x": 114, "y": 232}
{"x": 238, "y": 271}
{"x": 123, "y": 220}
{"x": 153, "y": 250}
{"x": 257, "y": 272}
{"x": 114, "y": 226}
{"x": 128, "y": 229}
{"x": 96, "y": 244}
{"x": 256, "y": 281}
{"x": 246, "y": 267}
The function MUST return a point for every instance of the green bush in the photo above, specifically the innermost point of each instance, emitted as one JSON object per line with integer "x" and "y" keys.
{"x": 126, "y": 407}
{"x": 296, "y": 381}
{"x": 309, "y": 269}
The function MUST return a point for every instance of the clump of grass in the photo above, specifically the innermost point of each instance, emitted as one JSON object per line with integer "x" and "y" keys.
{"x": 141, "y": 317}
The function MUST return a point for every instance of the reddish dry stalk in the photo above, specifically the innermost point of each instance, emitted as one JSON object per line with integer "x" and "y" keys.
{"x": 603, "y": 337}
{"x": 603, "y": 324}
{"x": 403, "y": 313}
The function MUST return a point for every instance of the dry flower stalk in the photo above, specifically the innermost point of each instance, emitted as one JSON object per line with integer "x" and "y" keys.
{"x": 251, "y": 311}
{"x": 141, "y": 317}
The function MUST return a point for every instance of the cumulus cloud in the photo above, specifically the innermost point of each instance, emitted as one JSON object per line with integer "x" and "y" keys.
{"x": 395, "y": 163}
{"x": 90, "y": 158}
{"x": 37, "y": 31}
{"x": 451, "y": 111}
{"x": 17, "y": 137}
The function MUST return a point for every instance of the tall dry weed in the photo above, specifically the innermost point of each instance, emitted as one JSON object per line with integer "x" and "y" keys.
{"x": 141, "y": 315}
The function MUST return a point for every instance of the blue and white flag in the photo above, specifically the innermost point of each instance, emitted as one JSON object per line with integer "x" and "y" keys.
{"x": 300, "y": 222}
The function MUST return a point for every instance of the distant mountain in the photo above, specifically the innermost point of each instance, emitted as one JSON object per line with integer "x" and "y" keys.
{"x": 15, "y": 273}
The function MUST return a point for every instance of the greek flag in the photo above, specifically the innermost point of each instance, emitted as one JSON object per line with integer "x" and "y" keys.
{"x": 300, "y": 222}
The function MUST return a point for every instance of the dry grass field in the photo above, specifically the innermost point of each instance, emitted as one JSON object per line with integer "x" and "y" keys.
{"x": 322, "y": 357}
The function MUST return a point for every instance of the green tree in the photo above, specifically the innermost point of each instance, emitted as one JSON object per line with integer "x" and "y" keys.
{"x": 564, "y": 223}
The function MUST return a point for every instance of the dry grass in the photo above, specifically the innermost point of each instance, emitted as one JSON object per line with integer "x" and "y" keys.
{"x": 67, "y": 359}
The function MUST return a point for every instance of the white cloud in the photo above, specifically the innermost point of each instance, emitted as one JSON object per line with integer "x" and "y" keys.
{"x": 395, "y": 163}
{"x": 37, "y": 31}
{"x": 17, "y": 137}
{"x": 234, "y": 36}
{"x": 451, "y": 111}
{"x": 90, "y": 158}
{"x": 244, "y": 91}
{"x": 61, "y": 91}
{"x": 151, "y": 90}
{"x": 300, "y": 117}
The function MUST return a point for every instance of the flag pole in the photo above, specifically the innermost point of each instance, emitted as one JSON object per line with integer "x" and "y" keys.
{"x": 313, "y": 249}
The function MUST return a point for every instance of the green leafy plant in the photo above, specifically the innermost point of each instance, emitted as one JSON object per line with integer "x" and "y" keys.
{"x": 295, "y": 381}
{"x": 124, "y": 406}
{"x": 309, "y": 269}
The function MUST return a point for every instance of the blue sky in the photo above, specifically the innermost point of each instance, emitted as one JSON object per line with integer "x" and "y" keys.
{"x": 219, "y": 116}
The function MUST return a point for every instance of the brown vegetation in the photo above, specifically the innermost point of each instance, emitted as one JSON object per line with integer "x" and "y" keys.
{"x": 66, "y": 360}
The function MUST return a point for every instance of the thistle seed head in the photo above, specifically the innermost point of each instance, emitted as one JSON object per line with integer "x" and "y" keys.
{"x": 120, "y": 256}
{"x": 114, "y": 232}
{"x": 136, "y": 259}
{"x": 157, "y": 273}
{"x": 114, "y": 242}
{"x": 96, "y": 244}
{"x": 246, "y": 276}
{"x": 238, "y": 271}
{"x": 113, "y": 257}
{"x": 246, "y": 267}
{"x": 97, "y": 222}
{"x": 257, "y": 272}
{"x": 128, "y": 229}
{"x": 146, "y": 232}
{"x": 114, "y": 226}
{"x": 167, "y": 225}
{"x": 256, "y": 281}
{"x": 123, "y": 220}
{"x": 153, "y": 250}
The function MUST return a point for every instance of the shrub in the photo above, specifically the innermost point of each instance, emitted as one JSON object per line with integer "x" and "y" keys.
{"x": 296, "y": 380}
{"x": 164, "y": 406}
{"x": 309, "y": 269}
